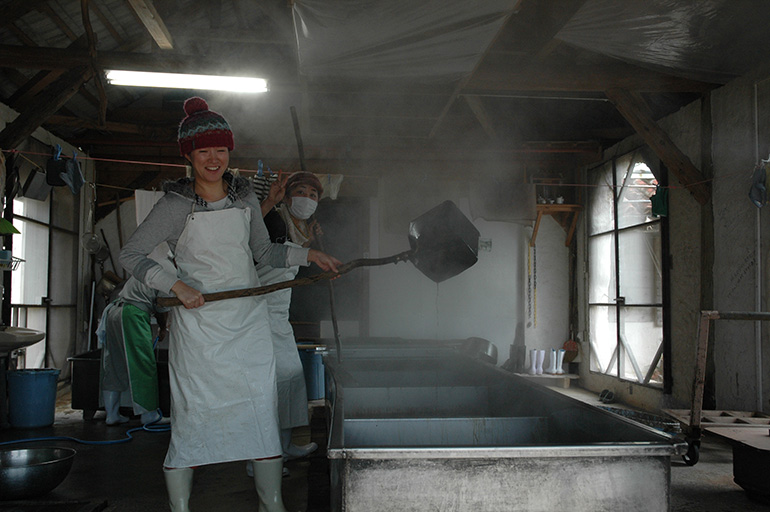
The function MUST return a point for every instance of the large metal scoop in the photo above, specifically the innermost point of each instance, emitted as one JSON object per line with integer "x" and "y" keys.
{"x": 443, "y": 241}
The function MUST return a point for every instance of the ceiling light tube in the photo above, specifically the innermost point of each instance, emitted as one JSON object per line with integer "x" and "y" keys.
{"x": 185, "y": 81}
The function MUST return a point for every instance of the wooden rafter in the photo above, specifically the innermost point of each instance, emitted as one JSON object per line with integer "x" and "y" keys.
{"x": 481, "y": 114}
{"x": 114, "y": 127}
{"x": 497, "y": 74}
{"x": 21, "y": 36}
{"x": 634, "y": 109}
{"x": 106, "y": 22}
{"x": 66, "y": 30}
{"x": 462, "y": 83}
{"x": 98, "y": 73}
{"x": 26, "y": 93}
{"x": 229, "y": 35}
{"x": 21, "y": 57}
{"x": 50, "y": 100}
{"x": 556, "y": 24}
{"x": 153, "y": 22}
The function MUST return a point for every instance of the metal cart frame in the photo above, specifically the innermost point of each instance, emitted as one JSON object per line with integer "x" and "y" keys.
{"x": 692, "y": 428}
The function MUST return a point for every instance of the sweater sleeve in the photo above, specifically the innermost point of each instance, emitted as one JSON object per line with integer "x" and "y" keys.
{"x": 266, "y": 252}
{"x": 164, "y": 223}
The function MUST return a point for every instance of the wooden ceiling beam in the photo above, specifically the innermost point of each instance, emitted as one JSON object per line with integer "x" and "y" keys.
{"x": 21, "y": 35}
{"x": 26, "y": 93}
{"x": 499, "y": 38}
{"x": 634, "y": 109}
{"x": 22, "y": 57}
{"x": 106, "y": 22}
{"x": 530, "y": 32}
{"x": 497, "y": 76}
{"x": 280, "y": 15}
{"x": 481, "y": 115}
{"x": 51, "y": 99}
{"x": 48, "y": 11}
{"x": 461, "y": 84}
{"x": 77, "y": 122}
{"x": 227, "y": 35}
{"x": 153, "y": 22}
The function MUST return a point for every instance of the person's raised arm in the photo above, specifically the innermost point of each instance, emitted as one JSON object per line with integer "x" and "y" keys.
{"x": 274, "y": 196}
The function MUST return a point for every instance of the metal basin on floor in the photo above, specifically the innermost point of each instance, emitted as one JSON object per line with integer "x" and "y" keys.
{"x": 31, "y": 472}
{"x": 417, "y": 426}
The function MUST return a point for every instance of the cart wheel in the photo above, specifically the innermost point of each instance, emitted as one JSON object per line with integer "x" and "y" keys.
{"x": 693, "y": 453}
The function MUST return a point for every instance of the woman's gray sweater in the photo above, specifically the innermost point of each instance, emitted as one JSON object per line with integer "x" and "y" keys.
{"x": 166, "y": 221}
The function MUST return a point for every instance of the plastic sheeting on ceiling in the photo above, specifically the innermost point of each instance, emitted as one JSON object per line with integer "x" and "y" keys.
{"x": 431, "y": 40}
{"x": 707, "y": 40}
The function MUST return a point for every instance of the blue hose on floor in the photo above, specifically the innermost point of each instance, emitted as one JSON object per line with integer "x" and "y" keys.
{"x": 149, "y": 427}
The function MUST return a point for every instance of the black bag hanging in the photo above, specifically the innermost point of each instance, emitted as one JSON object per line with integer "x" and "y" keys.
{"x": 54, "y": 167}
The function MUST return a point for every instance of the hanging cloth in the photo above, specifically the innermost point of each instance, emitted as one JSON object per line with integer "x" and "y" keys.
{"x": 71, "y": 174}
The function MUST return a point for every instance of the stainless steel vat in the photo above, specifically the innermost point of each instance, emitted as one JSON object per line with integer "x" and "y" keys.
{"x": 420, "y": 425}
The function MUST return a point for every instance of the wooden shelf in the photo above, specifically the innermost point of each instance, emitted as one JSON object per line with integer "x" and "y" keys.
{"x": 565, "y": 214}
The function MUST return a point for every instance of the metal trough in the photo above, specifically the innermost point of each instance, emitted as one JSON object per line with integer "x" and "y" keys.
{"x": 422, "y": 426}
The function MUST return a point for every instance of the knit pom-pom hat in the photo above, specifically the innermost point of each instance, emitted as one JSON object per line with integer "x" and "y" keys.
{"x": 203, "y": 128}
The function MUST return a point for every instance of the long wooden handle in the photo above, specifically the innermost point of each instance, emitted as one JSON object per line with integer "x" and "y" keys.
{"x": 168, "y": 302}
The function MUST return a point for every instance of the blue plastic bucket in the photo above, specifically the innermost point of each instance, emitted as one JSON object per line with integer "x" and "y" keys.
{"x": 32, "y": 397}
{"x": 313, "y": 367}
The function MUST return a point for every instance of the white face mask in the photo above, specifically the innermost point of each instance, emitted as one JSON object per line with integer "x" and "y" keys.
{"x": 302, "y": 207}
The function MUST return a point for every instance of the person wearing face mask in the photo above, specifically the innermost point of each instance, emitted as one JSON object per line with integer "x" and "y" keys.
{"x": 288, "y": 210}
{"x": 221, "y": 361}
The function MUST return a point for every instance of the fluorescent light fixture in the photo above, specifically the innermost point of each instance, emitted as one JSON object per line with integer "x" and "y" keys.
{"x": 185, "y": 81}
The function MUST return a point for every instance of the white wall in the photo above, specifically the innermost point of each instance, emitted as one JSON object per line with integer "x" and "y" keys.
{"x": 485, "y": 301}
{"x": 548, "y": 326}
{"x": 741, "y": 115}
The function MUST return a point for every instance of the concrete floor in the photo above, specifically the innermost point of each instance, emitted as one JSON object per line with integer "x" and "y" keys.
{"x": 128, "y": 476}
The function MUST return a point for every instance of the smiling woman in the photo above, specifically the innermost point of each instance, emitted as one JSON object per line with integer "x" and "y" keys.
{"x": 221, "y": 362}
{"x": 209, "y": 164}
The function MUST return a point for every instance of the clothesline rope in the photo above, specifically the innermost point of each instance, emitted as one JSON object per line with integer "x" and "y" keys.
{"x": 280, "y": 172}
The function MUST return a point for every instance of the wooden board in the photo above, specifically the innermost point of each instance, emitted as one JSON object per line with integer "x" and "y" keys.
{"x": 722, "y": 418}
{"x": 758, "y": 438}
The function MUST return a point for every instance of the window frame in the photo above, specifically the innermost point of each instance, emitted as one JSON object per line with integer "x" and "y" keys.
{"x": 614, "y": 369}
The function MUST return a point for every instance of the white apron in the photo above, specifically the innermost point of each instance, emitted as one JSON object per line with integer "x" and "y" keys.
{"x": 289, "y": 376}
{"x": 221, "y": 365}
